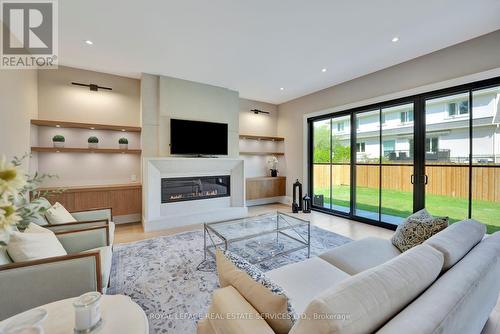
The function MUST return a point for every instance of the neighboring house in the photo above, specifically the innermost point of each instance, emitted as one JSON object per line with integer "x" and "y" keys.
{"x": 447, "y": 129}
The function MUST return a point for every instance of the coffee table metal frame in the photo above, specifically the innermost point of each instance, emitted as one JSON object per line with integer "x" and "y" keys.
{"x": 305, "y": 242}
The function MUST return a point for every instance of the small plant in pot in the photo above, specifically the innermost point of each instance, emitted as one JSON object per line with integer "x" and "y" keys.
{"x": 58, "y": 141}
{"x": 123, "y": 142}
{"x": 93, "y": 141}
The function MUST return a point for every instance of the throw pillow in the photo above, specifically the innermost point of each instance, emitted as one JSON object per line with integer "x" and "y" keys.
{"x": 57, "y": 214}
{"x": 34, "y": 243}
{"x": 417, "y": 228}
{"x": 266, "y": 297}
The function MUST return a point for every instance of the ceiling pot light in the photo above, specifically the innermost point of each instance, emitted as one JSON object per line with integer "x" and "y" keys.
{"x": 89, "y": 42}
{"x": 323, "y": 70}
{"x": 282, "y": 88}
{"x": 395, "y": 39}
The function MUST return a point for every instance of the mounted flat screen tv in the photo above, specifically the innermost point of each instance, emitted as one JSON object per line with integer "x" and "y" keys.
{"x": 200, "y": 138}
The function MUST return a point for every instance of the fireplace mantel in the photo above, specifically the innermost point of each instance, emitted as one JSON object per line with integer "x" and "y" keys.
{"x": 158, "y": 215}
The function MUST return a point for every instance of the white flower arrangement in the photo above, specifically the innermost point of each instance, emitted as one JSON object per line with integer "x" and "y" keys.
{"x": 272, "y": 162}
{"x": 12, "y": 181}
{"x": 16, "y": 208}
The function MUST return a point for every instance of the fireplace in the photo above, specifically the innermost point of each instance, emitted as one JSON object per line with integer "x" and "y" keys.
{"x": 194, "y": 188}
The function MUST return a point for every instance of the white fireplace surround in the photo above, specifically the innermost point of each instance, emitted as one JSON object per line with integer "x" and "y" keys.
{"x": 159, "y": 216}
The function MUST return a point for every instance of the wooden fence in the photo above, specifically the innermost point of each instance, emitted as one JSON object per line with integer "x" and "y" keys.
{"x": 449, "y": 181}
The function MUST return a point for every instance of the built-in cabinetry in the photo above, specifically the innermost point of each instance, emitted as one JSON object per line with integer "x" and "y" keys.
{"x": 75, "y": 164}
{"x": 123, "y": 199}
{"x": 265, "y": 187}
{"x": 259, "y": 185}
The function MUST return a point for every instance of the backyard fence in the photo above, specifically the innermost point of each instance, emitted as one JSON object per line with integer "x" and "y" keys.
{"x": 451, "y": 181}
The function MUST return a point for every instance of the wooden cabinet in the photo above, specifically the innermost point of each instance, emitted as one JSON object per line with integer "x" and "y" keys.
{"x": 265, "y": 187}
{"x": 123, "y": 199}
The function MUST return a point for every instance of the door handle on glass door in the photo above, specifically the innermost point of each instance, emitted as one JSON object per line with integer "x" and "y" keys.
{"x": 412, "y": 179}
{"x": 426, "y": 179}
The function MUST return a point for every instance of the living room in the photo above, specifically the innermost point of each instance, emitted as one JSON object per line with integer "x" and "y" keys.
{"x": 238, "y": 167}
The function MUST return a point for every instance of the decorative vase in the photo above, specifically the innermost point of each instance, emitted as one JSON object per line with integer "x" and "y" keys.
{"x": 123, "y": 146}
{"x": 274, "y": 172}
{"x": 58, "y": 144}
{"x": 93, "y": 145}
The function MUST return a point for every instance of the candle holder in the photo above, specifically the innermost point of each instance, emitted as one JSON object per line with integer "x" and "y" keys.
{"x": 87, "y": 312}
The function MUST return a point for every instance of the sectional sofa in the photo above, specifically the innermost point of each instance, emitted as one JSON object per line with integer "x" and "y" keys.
{"x": 448, "y": 285}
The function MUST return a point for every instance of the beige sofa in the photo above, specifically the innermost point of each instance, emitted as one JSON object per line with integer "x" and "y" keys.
{"x": 450, "y": 284}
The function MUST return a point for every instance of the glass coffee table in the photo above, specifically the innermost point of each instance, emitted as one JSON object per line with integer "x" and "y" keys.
{"x": 259, "y": 238}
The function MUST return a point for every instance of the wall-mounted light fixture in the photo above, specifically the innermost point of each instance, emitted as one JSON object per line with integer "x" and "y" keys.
{"x": 92, "y": 87}
{"x": 257, "y": 111}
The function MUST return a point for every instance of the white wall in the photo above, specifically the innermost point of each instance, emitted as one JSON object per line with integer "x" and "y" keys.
{"x": 474, "y": 56}
{"x": 18, "y": 104}
{"x": 59, "y": 100}
{"x": 165, "y": 98}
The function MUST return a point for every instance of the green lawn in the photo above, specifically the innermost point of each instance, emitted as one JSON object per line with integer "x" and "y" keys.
{"x": 399, "y": 203}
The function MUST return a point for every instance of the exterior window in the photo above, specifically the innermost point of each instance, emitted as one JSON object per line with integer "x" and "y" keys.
{"x": 383, "y": 118}
{"x": 431, "y": 145}
{"x": 357, "y": 123}
{"x": 463, "y": 107}
{"x": 360, "y": 147}
{"x": 340, "y": 126}
{"x": 458, "y": 108}
{"x": 406, "y": 116}
{"x": 389, "y": 147}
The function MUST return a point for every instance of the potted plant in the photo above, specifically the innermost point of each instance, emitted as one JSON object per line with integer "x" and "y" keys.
{"x": 58, "y": 141}
{"x": 93, "y": 141}
{"x": 123, "y": 142}
{"x": 272, "y": 162}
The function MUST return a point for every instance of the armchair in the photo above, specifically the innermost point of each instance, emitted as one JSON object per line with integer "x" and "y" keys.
{"x": 24, "y": 285}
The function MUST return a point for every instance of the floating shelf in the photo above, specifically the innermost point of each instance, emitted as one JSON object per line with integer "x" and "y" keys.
{"x": 91, "y": 126}
{"x": 84, "y": 150}
{"x": 265, "y": 178}
{"x": 262, "y": 153}
{"x": 262, "y": 138}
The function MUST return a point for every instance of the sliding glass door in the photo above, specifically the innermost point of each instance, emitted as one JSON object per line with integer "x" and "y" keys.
{"x": 331, "y": 164}
{"x": 462, "y": 158}
{"x": 439, "y": 150}
{"x": 384, "y": 163}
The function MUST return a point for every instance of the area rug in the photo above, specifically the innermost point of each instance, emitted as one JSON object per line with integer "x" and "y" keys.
{"x": 161, "y": 276}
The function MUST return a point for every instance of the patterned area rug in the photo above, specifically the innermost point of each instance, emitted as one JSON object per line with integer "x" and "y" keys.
{"x": 160, "y": 275}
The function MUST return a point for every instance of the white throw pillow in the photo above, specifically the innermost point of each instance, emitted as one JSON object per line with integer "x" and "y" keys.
{"x": 34, "y": 243}
{"x": 57, "y": 214}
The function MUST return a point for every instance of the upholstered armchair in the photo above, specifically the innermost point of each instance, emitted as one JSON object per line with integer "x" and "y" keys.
{"x": 24, "y": 285}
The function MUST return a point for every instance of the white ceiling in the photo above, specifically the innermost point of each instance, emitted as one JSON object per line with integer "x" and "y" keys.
{"x": 258, "y": 46}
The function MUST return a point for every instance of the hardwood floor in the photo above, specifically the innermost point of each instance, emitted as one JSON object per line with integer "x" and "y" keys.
{"x": 133, "y": 232}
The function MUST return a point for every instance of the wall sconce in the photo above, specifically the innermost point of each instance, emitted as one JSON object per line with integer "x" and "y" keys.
{"x": 92, "y": 87}
{"x": 257, "y": 111}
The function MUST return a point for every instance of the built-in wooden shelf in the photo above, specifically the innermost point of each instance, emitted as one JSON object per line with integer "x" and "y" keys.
{"x": 109, "y": 187}
{"x": 264, "y": 178}
{"x": 262, "y": 153}
{"x": 84, "y": 150}
{"x": 269, "y": 138}
{"x": 265, "y": 187}
{"x": 91, "y": 126}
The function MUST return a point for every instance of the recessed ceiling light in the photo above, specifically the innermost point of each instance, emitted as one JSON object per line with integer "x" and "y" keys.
{"x": 92, "y": 128}
{"x": 58, "y": 126}
{"x": 123, "y": 130}
{"x": 323, "y": 70}
{"x": 395, "y": 39}
{"x": 89, "y": 42}
{"x": 282, "y": 88}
